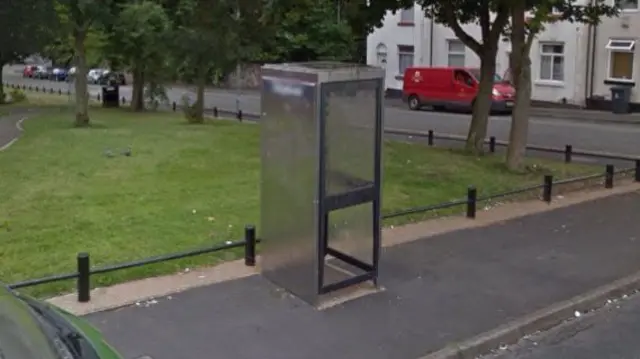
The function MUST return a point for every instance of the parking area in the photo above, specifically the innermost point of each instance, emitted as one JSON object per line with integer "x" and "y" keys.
{"x": 437, "y": 291}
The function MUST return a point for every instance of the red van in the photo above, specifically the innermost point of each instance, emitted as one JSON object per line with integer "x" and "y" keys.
{"x": 452, "y": 88}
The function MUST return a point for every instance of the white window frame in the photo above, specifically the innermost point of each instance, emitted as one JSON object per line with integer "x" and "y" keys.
{"x": 552, "y": 56}
{"x": 408, "y": 16}
{"x": 629, "y": 45}
{"x": 462, "y": 53}
{"x": 632, "y": 9}
{"x": 401, "y": 52}
{"x": 613, "y": 46}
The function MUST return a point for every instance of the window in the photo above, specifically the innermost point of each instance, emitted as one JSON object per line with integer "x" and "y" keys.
{"x": 621, "y": 45}
{"x": 477, "y": 74}
{"x": 456, "y": 53}
{"x": 405, "y": 58}
{"x": 407, "y": 16}
{"x": 464, "y": 78}
{"x": 627, "y": 4}
{"x": 381, "y": 55}
{"x": 551, "y": 62}
{"x": 621, "y": 59}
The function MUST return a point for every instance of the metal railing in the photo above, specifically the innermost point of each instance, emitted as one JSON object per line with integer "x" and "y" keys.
{"x": 546, "y": 187}
{"x": 84, "y": 272}
{"x": 568, "y": 151}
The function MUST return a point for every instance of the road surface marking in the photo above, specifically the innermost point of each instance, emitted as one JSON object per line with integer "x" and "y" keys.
{"x": 10, "y": 143}
{"x": 19, "y": 124}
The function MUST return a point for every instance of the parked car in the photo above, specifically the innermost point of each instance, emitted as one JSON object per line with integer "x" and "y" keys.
{"x": 452, "y": 88}
{"x": 58, "y": 74}
{"x": 31, "y": 329}
{"x": 43, "y": 73}
{"x": 108, "y": 76}
{"x": 29, "y": 71}
{"x": 71, "y": 74}
{"x": 93, "y": 76}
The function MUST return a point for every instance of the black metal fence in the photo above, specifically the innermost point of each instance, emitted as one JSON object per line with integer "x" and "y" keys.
{"x": 84, "y": 272}
{"x": 568, "y": 151}
{"x": 172, "y": 106}
{"x": 431, "y": 136}
{"x": 546, "y": 187}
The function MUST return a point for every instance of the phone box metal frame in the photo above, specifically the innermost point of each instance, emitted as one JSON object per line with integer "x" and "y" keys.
{"x": 321, "y": 147}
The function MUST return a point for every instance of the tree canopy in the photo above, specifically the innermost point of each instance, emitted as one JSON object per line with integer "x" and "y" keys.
{"x": 455, "y": 14}
{"x": 528, "y": 19}
{"x": 26, "y": 27}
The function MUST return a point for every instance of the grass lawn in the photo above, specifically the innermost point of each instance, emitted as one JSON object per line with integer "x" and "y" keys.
{"x": 184, "y": 186}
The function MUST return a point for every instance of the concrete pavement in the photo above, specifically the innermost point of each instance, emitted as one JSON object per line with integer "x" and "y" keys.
{"x": 608, "y": 333}
{"x": 437, "y": 291}
{"x": 607, "y": 137}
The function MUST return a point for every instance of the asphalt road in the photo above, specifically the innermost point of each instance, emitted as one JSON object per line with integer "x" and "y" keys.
{"x": 615, "y": 138}
{"x": 9, "y": 130}
{"x": 609, "y": 333}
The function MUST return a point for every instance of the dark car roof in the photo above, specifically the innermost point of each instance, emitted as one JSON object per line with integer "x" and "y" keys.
{"x": 21, "y": 334}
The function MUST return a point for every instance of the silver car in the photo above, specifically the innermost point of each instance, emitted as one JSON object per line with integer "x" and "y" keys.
{"x": 94, "y": 75}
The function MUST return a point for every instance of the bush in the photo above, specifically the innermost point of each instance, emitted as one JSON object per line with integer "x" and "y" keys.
{"x": 17, "y": 95}
{"x": 155, "y": 95}
{"x": 188, "y": 109}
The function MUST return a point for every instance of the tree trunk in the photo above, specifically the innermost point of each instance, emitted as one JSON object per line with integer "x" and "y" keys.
{"x": 81, "y": 88}
{"x": 519, "y": 132}
{"x": 198, "y": 106}
{"x": 137, "y": 90}
{"x": 520, "y": 64}
{"x": 482, "y": 103}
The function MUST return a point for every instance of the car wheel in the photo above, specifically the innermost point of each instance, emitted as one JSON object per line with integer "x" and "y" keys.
{"x": 414, "y": 103}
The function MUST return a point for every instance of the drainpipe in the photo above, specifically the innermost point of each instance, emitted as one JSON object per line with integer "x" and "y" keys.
{"x": 421, "y": 40}
{"x": 592, "y": 37}
{"x": 594, "y": 44}
{"x": 587, "y": 69}
{"x": 593, "y": 60}
{"x": 431, "y": 27}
